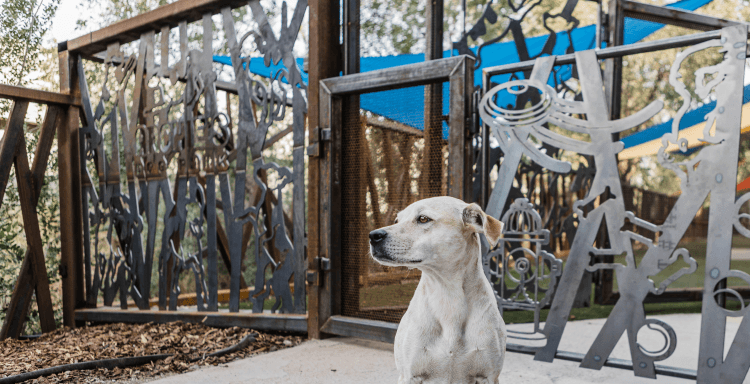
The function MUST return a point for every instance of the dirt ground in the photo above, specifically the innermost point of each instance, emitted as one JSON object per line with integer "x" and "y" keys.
{"x": 185, "y": 341}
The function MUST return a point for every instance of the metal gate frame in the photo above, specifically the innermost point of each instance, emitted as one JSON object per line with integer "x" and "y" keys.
{"x": 337, "y": 94}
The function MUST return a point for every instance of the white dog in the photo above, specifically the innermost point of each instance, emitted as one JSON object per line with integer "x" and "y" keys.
{"x": 452, "y": 331}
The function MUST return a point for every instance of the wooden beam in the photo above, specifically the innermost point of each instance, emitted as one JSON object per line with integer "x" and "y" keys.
{"x": 11, "y": 137}
{"x": 71, "y": 233}
{"x": 28, "y": 197}
{"x": 24, "y": 289}
{"x": 131, "y": 29}
{"x": 36, "y": 96}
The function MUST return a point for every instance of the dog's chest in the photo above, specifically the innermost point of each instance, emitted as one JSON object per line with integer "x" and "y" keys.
{"x": 457, "y": 351}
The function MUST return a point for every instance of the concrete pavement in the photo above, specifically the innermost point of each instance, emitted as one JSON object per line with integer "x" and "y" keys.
{"x": 359, "y": 361}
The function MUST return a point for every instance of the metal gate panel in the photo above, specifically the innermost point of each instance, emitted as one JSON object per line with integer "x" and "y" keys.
{"x": 344, "y": 183}
{"x": 711, "y": 174}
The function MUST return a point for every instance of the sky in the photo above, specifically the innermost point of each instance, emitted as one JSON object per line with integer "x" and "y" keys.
{"x": 64, "y": 23}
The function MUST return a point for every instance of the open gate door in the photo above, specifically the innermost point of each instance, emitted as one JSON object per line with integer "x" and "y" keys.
{"x": 387, "y": 138}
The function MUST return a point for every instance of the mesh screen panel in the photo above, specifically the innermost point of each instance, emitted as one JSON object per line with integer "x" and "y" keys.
{"x": 388, "y": 162}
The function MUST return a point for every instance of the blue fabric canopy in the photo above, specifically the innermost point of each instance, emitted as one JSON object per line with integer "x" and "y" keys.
{"x": 691, "y": 118}
{"x": 407, "y": 105}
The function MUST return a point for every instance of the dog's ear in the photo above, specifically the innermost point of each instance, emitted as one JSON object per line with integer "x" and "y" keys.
{"x": 479, "y": 222}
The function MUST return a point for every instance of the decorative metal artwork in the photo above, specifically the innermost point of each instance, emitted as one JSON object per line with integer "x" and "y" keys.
{"x": 554, "y": 206}
{"x": 523, "y": 278}
{"x": 712, "y": 172}
{"x": 172, "y": 150}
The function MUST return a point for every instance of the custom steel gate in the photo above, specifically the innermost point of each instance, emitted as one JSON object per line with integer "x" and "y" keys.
{"x": 524, "y": 276}
{"x": 583, "y": 127}
{"x": 373, "y": 166}
{"x": 175, "y": 185}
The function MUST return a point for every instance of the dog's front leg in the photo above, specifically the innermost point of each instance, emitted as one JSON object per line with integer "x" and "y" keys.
{"x": 484, "y": 380}
{"x": 411, "y": 380}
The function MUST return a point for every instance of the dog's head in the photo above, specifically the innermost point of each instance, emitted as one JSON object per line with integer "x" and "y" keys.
{"x": 432, "y": 232}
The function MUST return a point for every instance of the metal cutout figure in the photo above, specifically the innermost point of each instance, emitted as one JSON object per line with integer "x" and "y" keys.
{"x": 169, "y": 153}
{"x": 706, "y": 174}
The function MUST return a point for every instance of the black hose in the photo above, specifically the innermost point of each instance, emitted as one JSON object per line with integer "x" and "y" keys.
{"x": 106, "y": 363}
{"x": 237, "y": 347}
{"x": 118, "y": 362}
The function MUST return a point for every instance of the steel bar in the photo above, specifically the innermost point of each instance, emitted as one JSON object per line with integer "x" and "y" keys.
{"x": 244, "y": 319}
{"x": 37, "y": 96}
{"x": 611, "y": 362}
{"x": 618, "y": 51}
{"x": 674, "y": 16}
{"x": 131, "y": 29}
{"x": 355, "y": 327}
{"x": 403, "y": 76}
{"x": 324, "y": 62}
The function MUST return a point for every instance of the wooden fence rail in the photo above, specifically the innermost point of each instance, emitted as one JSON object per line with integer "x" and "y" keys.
{"x": 30, "y": 180}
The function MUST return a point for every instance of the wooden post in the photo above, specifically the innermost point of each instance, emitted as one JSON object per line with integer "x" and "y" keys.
{"x": 324, "y": 62}
{"x": 69, "y": 169}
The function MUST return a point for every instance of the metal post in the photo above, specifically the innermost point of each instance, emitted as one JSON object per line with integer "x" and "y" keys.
{"x": 432, "y": 164}
{"x": 324, "y": 62}
{"x": 71, "y": 240}
{"x": 613, "y": 93}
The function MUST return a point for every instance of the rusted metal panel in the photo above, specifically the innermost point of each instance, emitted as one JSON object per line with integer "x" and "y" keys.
{"x": 37, "y": 96}
{"x": 244, "y": 319}
{"x": 131, "y": 29}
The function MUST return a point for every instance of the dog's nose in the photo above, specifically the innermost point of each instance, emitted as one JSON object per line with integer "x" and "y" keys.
{"x": 378, "y": 235}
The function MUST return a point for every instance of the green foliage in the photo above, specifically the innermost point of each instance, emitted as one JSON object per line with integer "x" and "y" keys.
{"x": 23, "y": 24}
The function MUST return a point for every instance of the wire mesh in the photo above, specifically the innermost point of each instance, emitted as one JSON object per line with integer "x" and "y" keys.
{"x": 389, "y": 161}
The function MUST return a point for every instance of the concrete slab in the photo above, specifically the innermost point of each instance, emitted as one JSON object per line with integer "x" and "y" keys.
{"x": 359, "y": 361}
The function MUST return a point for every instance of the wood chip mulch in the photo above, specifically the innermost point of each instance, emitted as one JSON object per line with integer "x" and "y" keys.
{"x": 186, "y": 341}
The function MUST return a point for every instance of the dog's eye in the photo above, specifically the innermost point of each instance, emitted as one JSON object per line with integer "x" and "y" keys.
{"x": 423, "y": 219}
{"x": 395, "y": 221}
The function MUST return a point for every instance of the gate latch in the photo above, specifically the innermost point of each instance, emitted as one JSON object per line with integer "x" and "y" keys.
{"x": 318, "y": 135}
{"x": 315, "y": 276}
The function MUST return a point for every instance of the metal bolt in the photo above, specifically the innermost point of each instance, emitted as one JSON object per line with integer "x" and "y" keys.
{"x": 715, "y": 273}
{"x": 642, "y": 365}
{"x": 711, "y": 362}
{"x": 721, "y": 109}
{"x": 597, "y": 358}
{"x": 719, "y": 177}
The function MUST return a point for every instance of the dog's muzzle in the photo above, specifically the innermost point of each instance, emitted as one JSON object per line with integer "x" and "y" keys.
{"x": 377, "y": 244}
